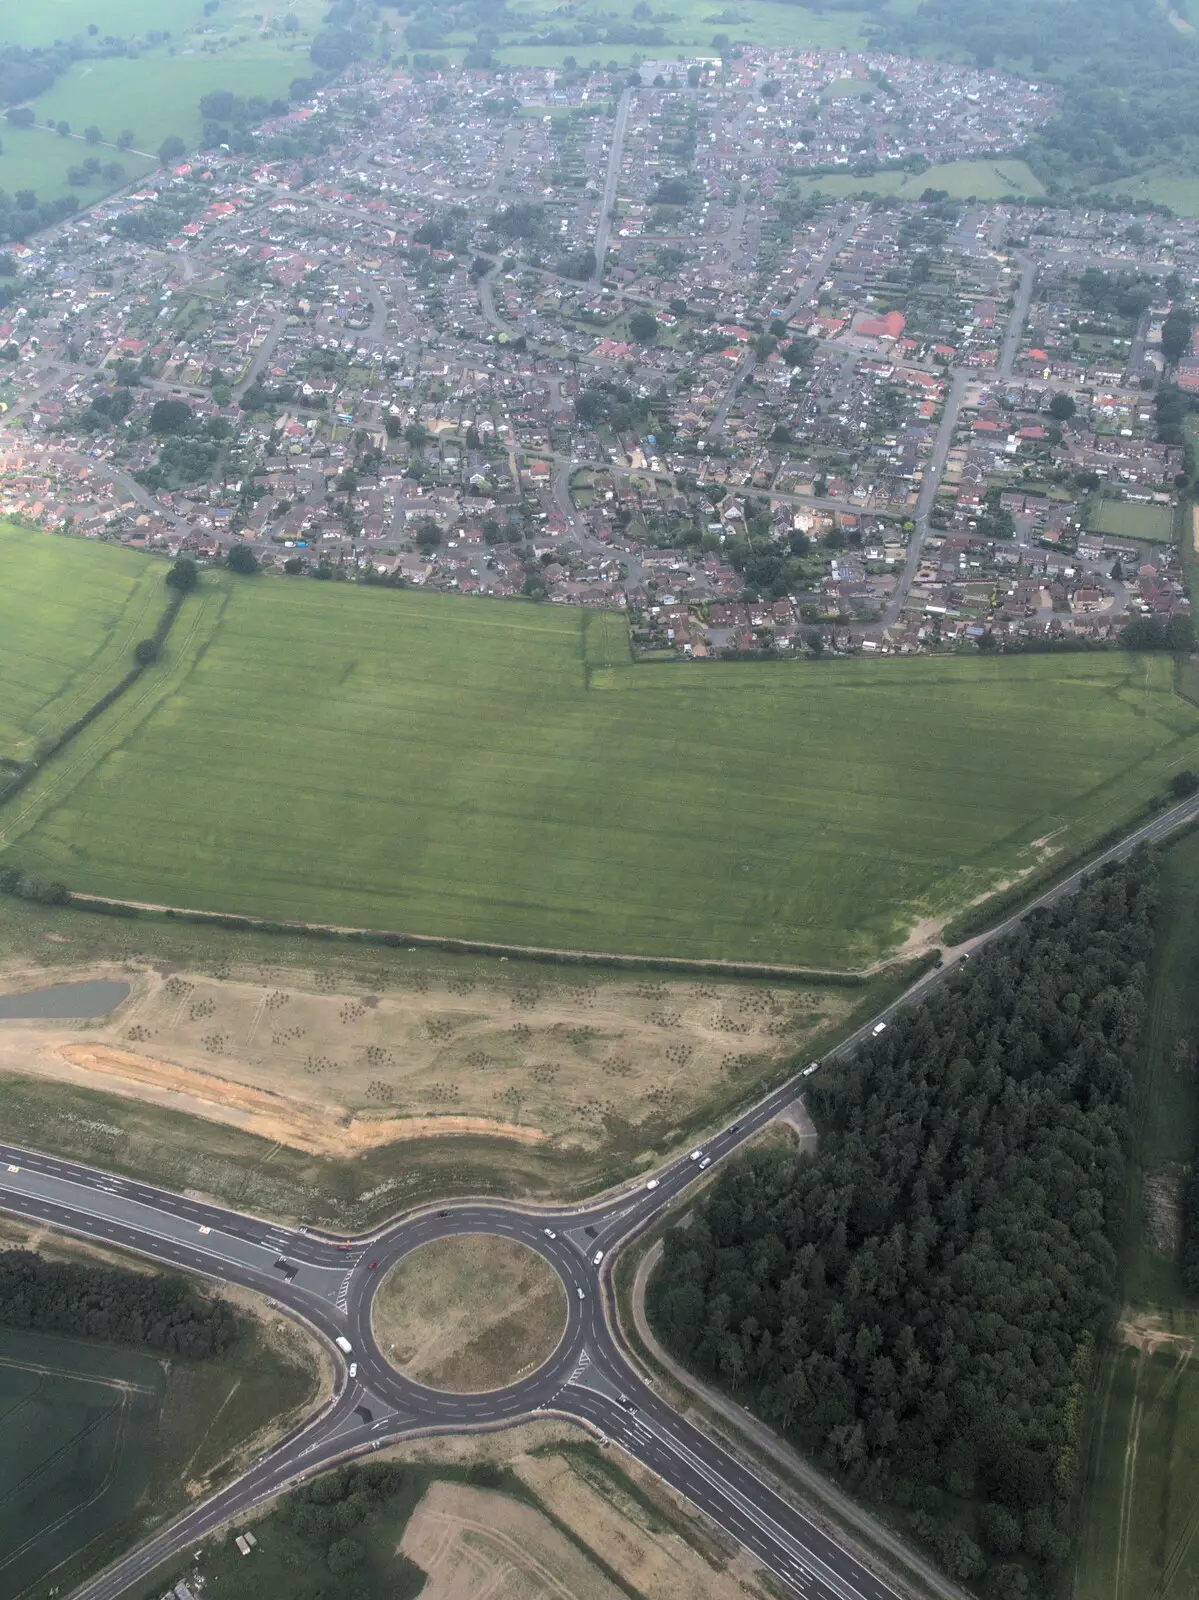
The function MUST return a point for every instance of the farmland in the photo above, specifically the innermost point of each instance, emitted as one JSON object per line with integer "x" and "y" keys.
{"x": 1142, "y": 1486}
{"x": 155, "y": 90}
{"x": 1139, "y": 1521}
{"x": 77, "y": 1446}
{"x": 497, "y": 771}
{"x": 100, "y": 1442}
{"x": 70, "y": 615}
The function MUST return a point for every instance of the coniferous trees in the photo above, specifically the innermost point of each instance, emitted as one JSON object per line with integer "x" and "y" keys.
{"x": 919, "y": 1304}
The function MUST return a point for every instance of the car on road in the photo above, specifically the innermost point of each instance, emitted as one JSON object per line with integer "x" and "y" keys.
{"x": 597, "y": 1258}
{"x": 353, "y": 1369}
{"x": 580, "y": 1294}
{"x": 443, "y": 1213}
{"x": 343, "y": 1344}
{"x": 705, "y": 1163}
{"x": 653, "y": 1183}
{"x": 695, "y": 1155}
{"x": 809, "y": 1070}
{"x": 879, "y": 1027}
{"x": 549, "y": 1233}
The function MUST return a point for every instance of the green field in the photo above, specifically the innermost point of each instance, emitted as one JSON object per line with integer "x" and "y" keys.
{"x": 77, "y": 1434}
{"x": 100, "y": 1444}
{"x": 502, "y": 771}
{"x": 1140, "y": 1510}
{"x": 70, "y": 615}
{"x": 1141, "y": 1513}
{"x": 981, "y": 180}
{"x": 1124, "y": 520}
{"x": 240, "y": 46}
{"x": 1167, "y": 1102}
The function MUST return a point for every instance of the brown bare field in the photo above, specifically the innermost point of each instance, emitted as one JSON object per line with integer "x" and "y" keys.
{"x": 631, "y": 1521}
{"x": 472, "y": 1542}
{"x": 319, "y": 1063}
{"x": 469, "y": 1313}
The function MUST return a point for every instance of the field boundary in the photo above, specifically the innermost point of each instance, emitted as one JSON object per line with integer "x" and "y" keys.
{"x": 29, "y": 770}
{"x": 106, "y": 905}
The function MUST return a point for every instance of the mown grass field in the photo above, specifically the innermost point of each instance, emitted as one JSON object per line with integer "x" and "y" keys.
{"x": 1128, "y": 521}
{"x": 70, "y": 615}
{"x": 502, "y": 771}
{"x": 981, "y": 180}
{"x": 77, "y": 1435}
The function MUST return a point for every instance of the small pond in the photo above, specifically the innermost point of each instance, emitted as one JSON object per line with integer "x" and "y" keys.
{"x": 94, "y": 999}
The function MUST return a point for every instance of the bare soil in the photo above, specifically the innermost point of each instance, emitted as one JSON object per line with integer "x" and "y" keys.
{"x": 473, "y": 1543}
{"x": 643, "y": 1547}
{"x": 469, "y": 1313}
{"x": 315, "y": 1062}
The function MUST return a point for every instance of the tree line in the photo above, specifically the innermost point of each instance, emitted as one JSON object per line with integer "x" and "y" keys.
{"x": 918, "y": 1305}
{"x": 161, "y": 1312}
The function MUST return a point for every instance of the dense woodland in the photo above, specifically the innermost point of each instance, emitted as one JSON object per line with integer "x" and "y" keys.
{"x": 918, "y": 1305}
{"x": 160, "y": 1312}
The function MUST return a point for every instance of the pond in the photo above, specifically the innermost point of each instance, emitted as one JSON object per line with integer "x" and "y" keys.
{"x": 93, "y": 999}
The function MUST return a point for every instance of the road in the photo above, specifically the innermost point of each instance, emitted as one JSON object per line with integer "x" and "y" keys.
{"x": 603, "y": 225}
{"x": 1015, "y": 326}
{"x": 329, "y": 1285}
{"x": 802, "y": 295}
{"x": 929, "y": 485}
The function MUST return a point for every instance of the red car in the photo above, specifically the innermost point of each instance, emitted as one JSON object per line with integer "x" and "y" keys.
{"x": 371, "y": 1265}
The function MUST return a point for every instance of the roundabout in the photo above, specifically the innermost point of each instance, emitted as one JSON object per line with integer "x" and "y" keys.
{"x": 470, "y": 1313}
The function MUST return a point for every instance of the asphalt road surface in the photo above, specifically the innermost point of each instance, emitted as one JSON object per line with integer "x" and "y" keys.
{"x": 329, "y": 1283}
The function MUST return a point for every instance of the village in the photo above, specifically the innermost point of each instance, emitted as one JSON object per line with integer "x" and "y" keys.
{"x": 599, "y": 338}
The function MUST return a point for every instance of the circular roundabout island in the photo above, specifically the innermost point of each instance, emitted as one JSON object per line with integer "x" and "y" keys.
{"x": 469, "y": 1313}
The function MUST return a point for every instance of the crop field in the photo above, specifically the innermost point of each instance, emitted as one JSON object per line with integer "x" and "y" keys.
{"x": 70, "y": 615}
{"x": 1141, "y": 1515}
{"x": 1127, "y": 521}
{"x": 77, "y": 1434}
{"x": 503, "y": 772}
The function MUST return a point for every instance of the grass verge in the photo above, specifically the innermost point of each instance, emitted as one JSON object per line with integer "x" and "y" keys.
{"x": 469, "y": 1313}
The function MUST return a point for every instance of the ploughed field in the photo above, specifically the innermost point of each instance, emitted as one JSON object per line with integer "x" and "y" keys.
{"x": 502, "y": 771}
